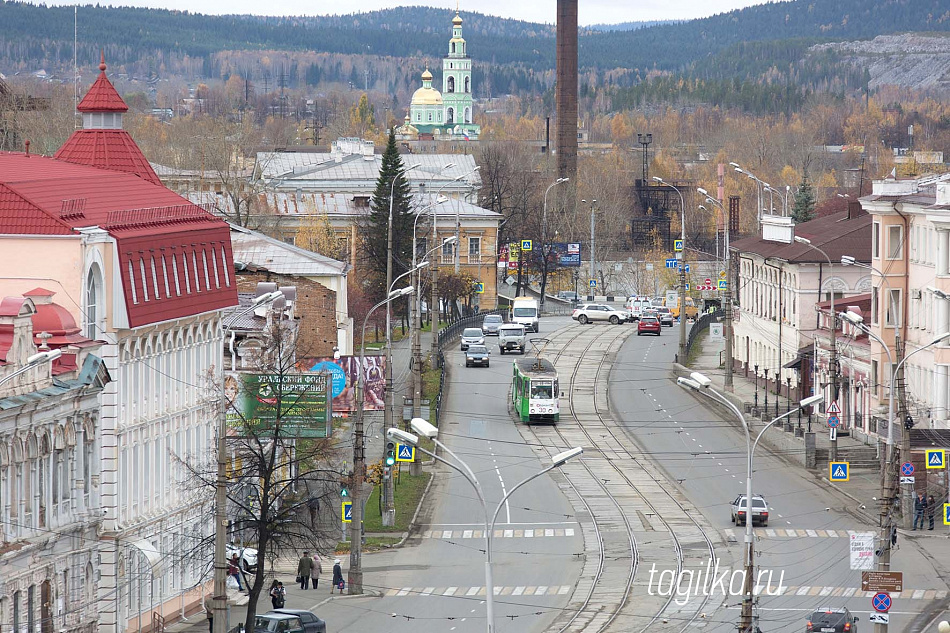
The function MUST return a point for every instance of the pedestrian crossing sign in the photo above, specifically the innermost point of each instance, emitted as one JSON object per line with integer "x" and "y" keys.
{"x": 526, "y": 245}
{"x": 946, "y": 514}
{"x": 838, "y": 471}
{"x": 479, "y": 288}
{"x": 936, "y": 458}
{"x": 405, "y": 453}
{"x": 678, "y": 245}
{"x": 722, "y": 284}
{"x": 347, "y": 511}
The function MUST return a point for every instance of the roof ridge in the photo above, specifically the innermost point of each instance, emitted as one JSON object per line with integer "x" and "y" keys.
{"x": 58, "y": 220}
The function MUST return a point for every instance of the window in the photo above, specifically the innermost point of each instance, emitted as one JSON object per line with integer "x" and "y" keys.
{"x": 144, "y": 282}
{"x": 194, "y": 267}
{"x": 474, "y": 245}
{"x": 168, "y": 292}
{"x": 430, "y": 116}
{"x": 468, "y": 84}
{"x": 184, "y": 269}
{"x": 892, "y": 316}
{"x": 895, "y": 241}
{"x": 204, "y": 259}
{"x": 94, "y": 301}
{"x": 875, "y": 302}
{"x": 214, "y": 266}
{"x": 450, "y": 83}
{"x": 175, "y": 275}
{"x": 155, "y": 279}
{"x": 448, "y": 249}
{"x": 224, "y": 265}
{"x": 135, "y": 298}
{"x": 876, "y": 240}
{"x": 450, "y": 116}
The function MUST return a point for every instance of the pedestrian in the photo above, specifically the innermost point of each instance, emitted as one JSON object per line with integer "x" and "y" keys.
{"x": 209, "y": 611}
{"x": 303, "y": 570}
{"x": 338, "y": 582}
{"x": 316, "y": 570}
{"x": 313, "y": 505}
{"x": 234, "y": 570}
{"x": 931, "y": 507}
{"x": 278, "y": 595}
{"x": 920, "y": 506}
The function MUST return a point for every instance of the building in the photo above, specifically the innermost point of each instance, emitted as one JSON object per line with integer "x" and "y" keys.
{"x": 780, "y": 281}
{"x": 49, "y": 469}
{"x": 147, "y": 273}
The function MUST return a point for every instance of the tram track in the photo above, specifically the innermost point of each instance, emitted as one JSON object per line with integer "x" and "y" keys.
{"x": 622, "y": 497}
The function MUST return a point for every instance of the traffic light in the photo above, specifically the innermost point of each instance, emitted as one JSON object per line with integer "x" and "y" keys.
{"x": 387, "y": 471}
{"x": 345, "y": 487}
{"x": 908, "y": 423}
{"x": 390, "y": 453}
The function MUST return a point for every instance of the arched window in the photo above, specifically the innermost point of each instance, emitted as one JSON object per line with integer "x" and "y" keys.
{"x": 468, "y": 115}
{"x": 94, "y": 302}
{"x": 468, "y": 84}
{"x": 450, "y": 116}
{"x": 450, "y": 84}
{"x": 453, "y": 47}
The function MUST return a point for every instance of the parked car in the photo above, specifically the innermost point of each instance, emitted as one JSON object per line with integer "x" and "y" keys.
{"x": 760, "y": 510}
{"x": 472, "y": 336}
{"x": 831, "y": 620}
{"x": 491, "y": 324}
{"x": 247, "y": 556}
{"x": 476, "y": 355}
{"x": 649, "y": 325}
{"x": 289, "y": 621}
{"x": 567, "y": 295}
{"x": 510, "y": 337}
{"x": 666, "y": 317}
{"x": 590, "y": 312}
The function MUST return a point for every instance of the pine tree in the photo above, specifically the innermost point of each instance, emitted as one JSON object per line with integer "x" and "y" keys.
{"x": 804, "y": 208}
{"x": 392, "y": 181}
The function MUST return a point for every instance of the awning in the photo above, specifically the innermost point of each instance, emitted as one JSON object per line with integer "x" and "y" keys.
{"x": 152, "y": 555}
{"x": 804, "y": 353}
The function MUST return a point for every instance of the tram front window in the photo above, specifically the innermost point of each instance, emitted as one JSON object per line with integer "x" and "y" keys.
{"x": 542, "y": 391}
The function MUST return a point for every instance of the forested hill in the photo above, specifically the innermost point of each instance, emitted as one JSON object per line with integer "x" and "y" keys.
{"x": 32, "y": 36}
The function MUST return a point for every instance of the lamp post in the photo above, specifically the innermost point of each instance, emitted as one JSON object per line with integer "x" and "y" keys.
{"x": 681, "y": 356}
{"x": 758, "y": 191}
{"x": 727, "y": 293}
{"x": 701, "y": 383}
{"x": 422, "y": 427}
{"x": 755, "y": 372}
{"x": 219, "y": 600}
{"x": 593, "y": 257}
{"x": 354, "y": 574}
{"x": 766, "y": 389}
{"x": 544, "y": 238}
{"x": 32, "y": 362}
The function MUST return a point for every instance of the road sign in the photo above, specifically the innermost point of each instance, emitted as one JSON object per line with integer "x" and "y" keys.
{"x": 479, "y": 287}
{"x": 678, "y": 246}
{"x": 722, "y": 274}
{"x": 723, "y": 284}
{"x": 833, "y": 421}
{"x": 833, "y": 434}
{"x": 908, "y": 480}
{"x": 881, "y": 602}
{"x": 671, "y": 263}
{"x": 526, "y": 245}
{"x": 839, "y": 471}
{"x": 687, "y": 267}
{"x": 936, "y": 458}
{"x": 946, "y": 514}
{"x": 405, "y": 453}
{"x": 862, "y": 551}
{"x": 593, "y": 283}
{"x": 907, "y": 469}
{"x": 879, "y": 618}
{"x": 347, "y": 511}
{"x": 708, "y": 281}
{"x": 833, "y": 408}
{"x": 687, "y": 286}
{"x": 882, "y": 580}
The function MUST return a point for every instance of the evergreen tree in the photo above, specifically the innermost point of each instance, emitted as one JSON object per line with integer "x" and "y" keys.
{"x": 392, "y": 181}
{"x": 804, "y": 208}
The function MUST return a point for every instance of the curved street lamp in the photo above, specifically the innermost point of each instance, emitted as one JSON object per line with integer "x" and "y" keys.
{"x": 681, "y": 356}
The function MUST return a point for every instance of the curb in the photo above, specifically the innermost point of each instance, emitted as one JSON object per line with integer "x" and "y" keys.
{"x": 415, "y": 515}
{"x": 347, "y": 596}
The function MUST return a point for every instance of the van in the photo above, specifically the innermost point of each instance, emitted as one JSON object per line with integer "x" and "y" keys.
{"x": 511, "y": 337}
{"x": 691, "y": 310}
{"x": 636, "y": 305}
{"x": 524, "y": 310}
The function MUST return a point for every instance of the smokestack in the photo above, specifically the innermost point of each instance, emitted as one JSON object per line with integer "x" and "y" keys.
{"x": 734, "y": 215}
{"x": 566, "y": 93}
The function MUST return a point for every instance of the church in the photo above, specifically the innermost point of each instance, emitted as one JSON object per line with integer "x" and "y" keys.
{"x": 447, "y": 115}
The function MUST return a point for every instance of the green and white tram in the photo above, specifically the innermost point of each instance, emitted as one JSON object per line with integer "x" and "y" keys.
{"x": 534, "y": 390}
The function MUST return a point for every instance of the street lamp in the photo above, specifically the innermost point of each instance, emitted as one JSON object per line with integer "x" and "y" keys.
{"x": 355, "y": 572}
{"x": 424, "y": 428}
{"x": 593, "y": 257}
{"x": 33, "y": 361}
{"x": 701, "y": 383}
{"x": 220, "y": 598}
{"x": 681, "y": 357}
{"x": 727, "y": 293}
{"x": 758, "y": 191}
{"x": 544, "y": 237}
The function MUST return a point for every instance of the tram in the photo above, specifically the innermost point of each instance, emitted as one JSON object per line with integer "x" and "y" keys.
{"x": 534, "y": 390}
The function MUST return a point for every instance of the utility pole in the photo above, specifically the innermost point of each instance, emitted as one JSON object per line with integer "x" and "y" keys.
{"x": 593, "y": 256}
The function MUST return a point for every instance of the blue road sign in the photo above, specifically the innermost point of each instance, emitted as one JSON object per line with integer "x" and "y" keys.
{"x": 687, "y": 267}
{"x": 907, "y": 469}
{"x": 881, "y": 602}
{"x": 593, "y": 283}
{"x": 936, "y": 458}
{"x": 526, "y": 245}
{"x": 405, "y": 453}
{"x": 723, "y": 284}
{"x": 833, "y": 421}
{"x": 839, "y": 471}
{"x": 479, "y": 288}
{"x": 946, "y": 514}
{"x": 347, "y": 511}
{"x": 687, "y": 286}
{"x": 671, "y": 263}
{"x": 678, "y": 245}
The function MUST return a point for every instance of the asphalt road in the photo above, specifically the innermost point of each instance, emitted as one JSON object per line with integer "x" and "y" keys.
{"x": 706, "y": 456}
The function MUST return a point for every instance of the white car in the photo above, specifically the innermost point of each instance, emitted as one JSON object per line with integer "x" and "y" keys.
{"x": 472, "y": 336}
{"x": 590, "y": 312}
{"x": 760, "y": 510}
{"x": 247, "y": 556}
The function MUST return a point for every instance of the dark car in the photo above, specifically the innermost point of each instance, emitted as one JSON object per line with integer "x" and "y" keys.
{"x": 648, "y": 324}
{"x": 831, "y": 620}
{"x": 289, "y": 621}
{"x": 476, "y": 355}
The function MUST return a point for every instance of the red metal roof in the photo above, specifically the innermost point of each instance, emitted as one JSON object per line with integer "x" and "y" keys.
{"x": 837, "y": 234}
{"x": 108, "y": 149}
{"x": 102, "y": 95}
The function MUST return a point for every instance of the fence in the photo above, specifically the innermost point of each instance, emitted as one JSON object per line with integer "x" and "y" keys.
{"x": 699, "y": 326}
{"x": 448, "y": 334}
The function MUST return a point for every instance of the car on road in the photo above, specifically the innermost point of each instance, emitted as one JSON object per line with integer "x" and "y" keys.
{"x": 472, "y": 336}
{"x": 247, "y": 556}
{"x": 666, "y": 317}
{"x": 511, "y": 337}
{"x": 491, "y": 324}
{"x": 760, "y": 510}
{"x": 636, "y": 305}
{"x": 831, "y": 620}
{"x": 648, "y": 325}
{"x": 590, "y": 312}
{"x": 289, "y": 621}
{"x": 567, "y": 295}
{"x": 476, "y": 355}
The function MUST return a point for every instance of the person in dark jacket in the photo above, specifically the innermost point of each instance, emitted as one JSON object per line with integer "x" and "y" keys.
{"x": 278, "y": 595}
{"x": 338, "y": 582}
{"x": 305, "y": 566}
{"x": 920, "y": 506}
{"x": 931, "y": 507}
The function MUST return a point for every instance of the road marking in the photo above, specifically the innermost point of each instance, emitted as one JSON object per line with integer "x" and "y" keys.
{"x": 450, "y": 591}
{"x": 791, "y": 533}
{"x": 507, "y": 590}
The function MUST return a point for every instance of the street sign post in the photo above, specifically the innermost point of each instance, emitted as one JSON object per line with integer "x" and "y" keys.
{"x": 879, "y": 618}
{"x": 833, "y": 408}
{"x": 862, "y": 552}
{"x": 885, "y": 581}
{"x": 678, "y": 246}
{"x": 833, "y": 421}
{"x": 881, "y": 602}
{"x": 347, "y": 511}
{"x": 833, "y": 433}
{"x": 405, "y": 453}
{"x": 907, "y": 469}
{"x": 839, "y": 471}
{"x": 936, "y": 458}
{"x": 908, "y": 480}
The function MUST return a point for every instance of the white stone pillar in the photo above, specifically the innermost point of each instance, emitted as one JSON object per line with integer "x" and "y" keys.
{"x": 943, "y": 252}
{"x": 941, "y": 386}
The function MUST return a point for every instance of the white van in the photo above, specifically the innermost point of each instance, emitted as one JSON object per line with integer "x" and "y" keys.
{"x": 636, "y": 305}
{"x": 525, "y": 310}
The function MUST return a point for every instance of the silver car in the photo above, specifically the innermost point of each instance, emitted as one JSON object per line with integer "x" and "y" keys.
{"x": 472, "y": 336}
{"x": 665, "y": 316}
{"x": 760, "y": 510}
{"x": 491, "y": 324}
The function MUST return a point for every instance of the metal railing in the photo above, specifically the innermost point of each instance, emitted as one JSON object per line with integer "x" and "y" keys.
{"x": 699, "y": 326}
{"x": 449, "y": 333}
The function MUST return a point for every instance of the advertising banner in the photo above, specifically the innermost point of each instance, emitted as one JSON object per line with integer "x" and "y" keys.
{"x": 344, "y": 372}
{"x": 568, "y": 254}
{"x": 298, "y": 402}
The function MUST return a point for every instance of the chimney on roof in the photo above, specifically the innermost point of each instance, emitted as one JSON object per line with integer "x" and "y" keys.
{"x": 855, "y": 209}
{"x": 26, "y": 145}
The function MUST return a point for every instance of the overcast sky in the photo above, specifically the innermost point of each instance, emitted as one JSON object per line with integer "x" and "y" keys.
{"x": 591, "y": 11}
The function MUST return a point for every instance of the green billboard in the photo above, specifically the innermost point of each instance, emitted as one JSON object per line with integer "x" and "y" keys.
{"x": 298, "y": 402}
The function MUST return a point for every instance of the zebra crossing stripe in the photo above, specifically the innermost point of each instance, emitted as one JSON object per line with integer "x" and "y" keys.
{"x": 500, "y": 533}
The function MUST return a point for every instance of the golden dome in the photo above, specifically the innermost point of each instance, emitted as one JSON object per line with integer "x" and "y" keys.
{"x": 426, "y": 96}
{"x": 456, "y": 20}
{"x": 426, "y": 75}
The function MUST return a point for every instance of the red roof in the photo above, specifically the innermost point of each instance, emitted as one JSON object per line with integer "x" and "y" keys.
{"x": 109, "y": 149}
{"x": 102, "y": 96}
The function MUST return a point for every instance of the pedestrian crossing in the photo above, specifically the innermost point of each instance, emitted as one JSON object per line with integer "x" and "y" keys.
{"x": 502, "y": 533}
{"x": 853, "y": 592}
{"x": 474, "y": 592}
{"x": 739, "y": 534}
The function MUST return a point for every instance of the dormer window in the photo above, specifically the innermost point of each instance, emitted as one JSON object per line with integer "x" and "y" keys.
{"x": 102, "y": 120}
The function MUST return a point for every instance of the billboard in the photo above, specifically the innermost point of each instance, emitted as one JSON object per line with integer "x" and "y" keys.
{"x": 568, "y": 254}
{"x": 299, "y": 402}
{"x": 344, "y": 373}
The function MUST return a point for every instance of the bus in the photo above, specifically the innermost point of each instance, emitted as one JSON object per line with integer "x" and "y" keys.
{"x": 534, "y": 390}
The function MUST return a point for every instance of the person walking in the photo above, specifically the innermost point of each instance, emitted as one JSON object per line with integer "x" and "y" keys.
{"x": 316, "y": 570}
{"x": 338, "y": 582}
{"x": 234, "y": 570}
{"x": 278, "y": 595}
{"x": 304, "y": 567}
{"x": 920, "y": 506}
{"x": 209, "y": 611}
{"x": 931, "y": 507}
